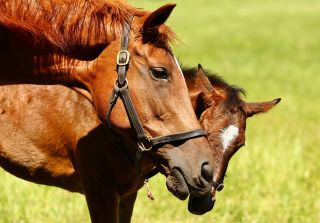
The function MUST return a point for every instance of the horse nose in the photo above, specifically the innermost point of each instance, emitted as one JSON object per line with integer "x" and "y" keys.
{"x": 207, "y": 172}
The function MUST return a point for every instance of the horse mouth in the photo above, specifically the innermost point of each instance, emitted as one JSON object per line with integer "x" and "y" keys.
{"x": 201, "y": 205}
{"x": 177, "y": 185}
{"x": 200, "y": 201}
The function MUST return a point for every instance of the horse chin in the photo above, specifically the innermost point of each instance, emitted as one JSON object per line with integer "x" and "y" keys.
{"x": 177, "y": 185}
{"x": 200, "y": 205}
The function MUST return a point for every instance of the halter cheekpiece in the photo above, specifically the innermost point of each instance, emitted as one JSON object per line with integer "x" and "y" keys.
{"x": 145, "y": 142}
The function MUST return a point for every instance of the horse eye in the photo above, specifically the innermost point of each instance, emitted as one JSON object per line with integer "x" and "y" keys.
{"x": 159, "y": 73}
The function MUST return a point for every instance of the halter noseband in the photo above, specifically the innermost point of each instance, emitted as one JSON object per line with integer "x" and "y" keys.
{"x": 145, "y": 142}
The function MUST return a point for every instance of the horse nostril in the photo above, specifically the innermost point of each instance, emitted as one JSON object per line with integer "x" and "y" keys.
{"x": 207, "y": 172}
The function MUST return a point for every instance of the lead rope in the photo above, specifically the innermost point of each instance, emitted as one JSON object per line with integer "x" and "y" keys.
{"x": 149, "y": 193}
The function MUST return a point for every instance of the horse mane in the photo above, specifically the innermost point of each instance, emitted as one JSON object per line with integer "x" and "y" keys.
{"x": 65, "y": 26}
{"x": 234, "y": 93}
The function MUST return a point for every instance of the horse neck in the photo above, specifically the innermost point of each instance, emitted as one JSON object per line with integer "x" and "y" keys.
{"x": 32, "y": 46}
{"x": 61, "y": 24}
{"x": 49, "y": 69}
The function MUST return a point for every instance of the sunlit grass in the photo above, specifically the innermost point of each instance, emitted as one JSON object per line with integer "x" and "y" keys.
{"x": 270, "y": 48}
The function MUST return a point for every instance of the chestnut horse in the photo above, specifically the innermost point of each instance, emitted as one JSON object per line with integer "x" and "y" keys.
{"x": 79, "y": 44}
{"x": 222, "y": 113}
{"x": 218, "y": 105}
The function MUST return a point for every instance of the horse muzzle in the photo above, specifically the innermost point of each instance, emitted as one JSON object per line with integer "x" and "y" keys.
{"x": 188, "y": 170}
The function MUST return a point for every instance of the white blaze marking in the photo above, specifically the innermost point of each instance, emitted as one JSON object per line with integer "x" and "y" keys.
{"x": 228, "y": 135}
{"x": 178, "y": 65}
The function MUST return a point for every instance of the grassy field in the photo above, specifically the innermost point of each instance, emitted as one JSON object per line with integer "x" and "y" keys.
{"x": 270, "y": 48}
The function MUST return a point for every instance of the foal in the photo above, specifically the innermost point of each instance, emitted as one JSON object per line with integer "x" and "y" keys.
{"x": 223, "y": 114}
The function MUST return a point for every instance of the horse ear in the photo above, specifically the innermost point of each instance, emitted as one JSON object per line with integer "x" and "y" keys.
{"x": 201, "y": 75}
{"x": 206, "y": 85}
{"x": 158, "y": 17}
{"x": 259, "y": 107}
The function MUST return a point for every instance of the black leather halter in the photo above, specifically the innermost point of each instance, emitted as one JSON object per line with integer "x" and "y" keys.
{"x": 145, "y": 142}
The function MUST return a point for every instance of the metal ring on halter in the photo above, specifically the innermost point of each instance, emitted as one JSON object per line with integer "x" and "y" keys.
{"x": 143, "y": 148}
{"x": 125, "y": 84}
{"x": 141, "y": 145}
{"x": 218, "y": 186}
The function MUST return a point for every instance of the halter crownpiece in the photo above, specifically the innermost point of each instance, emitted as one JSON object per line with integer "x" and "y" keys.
{"x": 145, "y": 142}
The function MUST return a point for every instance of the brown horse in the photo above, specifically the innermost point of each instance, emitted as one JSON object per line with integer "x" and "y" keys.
{"x": 48, "y": 160}
{"x": 76, "y": 43}
{"x": 223, "y": 114}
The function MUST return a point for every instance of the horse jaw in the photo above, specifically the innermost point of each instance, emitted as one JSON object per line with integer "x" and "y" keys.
{"x": 177, "y": 185}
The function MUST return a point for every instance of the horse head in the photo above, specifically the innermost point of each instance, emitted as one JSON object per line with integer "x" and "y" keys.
{"x": 223, "y": 114}
{"x": 160, "y": 97}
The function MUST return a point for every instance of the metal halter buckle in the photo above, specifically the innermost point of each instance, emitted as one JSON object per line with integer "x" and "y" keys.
{"x": 127, "y": 57}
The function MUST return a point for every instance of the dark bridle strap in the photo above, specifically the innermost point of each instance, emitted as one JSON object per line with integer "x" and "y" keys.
{"x": 122, "y": 86}
{"x": 132, "y": 113}
{"x": 167, "y": 139}
{"x": 123, "y": 56}
{"x": 178, "y": 137}
{"x": 121, "y": 89}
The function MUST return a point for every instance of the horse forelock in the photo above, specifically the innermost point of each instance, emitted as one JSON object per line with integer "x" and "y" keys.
{"x": 64, "y": 24}
{"x": 162, "y": 37}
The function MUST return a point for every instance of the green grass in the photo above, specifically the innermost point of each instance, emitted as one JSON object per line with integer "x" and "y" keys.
{"x": 270, "y": 48}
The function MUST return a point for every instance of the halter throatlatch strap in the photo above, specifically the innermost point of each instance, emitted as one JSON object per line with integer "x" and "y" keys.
{"x": 120, "y": 89}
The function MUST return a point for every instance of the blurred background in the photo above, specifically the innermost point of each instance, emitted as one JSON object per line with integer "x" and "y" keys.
{"x": 270, "y": 48}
